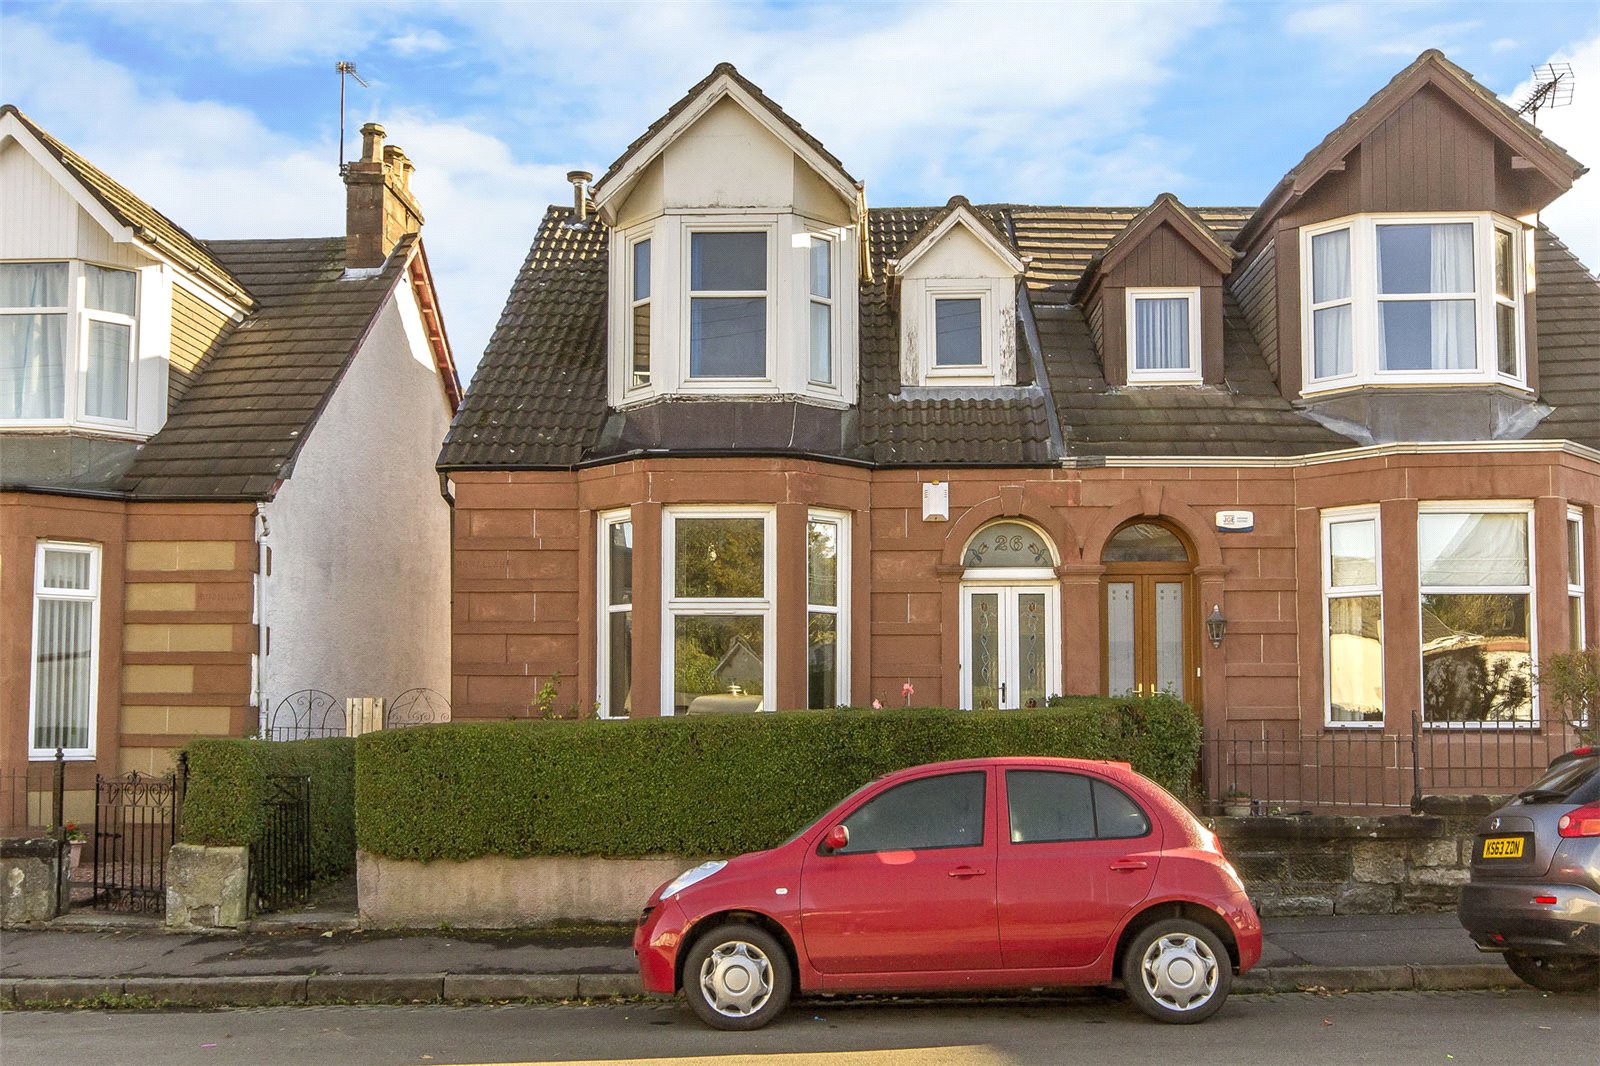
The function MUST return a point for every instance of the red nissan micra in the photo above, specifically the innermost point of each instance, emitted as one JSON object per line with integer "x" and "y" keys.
{"x": 979, "y": 874}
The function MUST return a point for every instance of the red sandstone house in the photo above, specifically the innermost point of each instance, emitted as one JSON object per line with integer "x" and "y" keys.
{"x": 741, "y": 443}
{"x": 195, "y": 437}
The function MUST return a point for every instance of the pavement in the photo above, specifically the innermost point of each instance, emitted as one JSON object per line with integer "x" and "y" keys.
{"x": 90, "y": 959}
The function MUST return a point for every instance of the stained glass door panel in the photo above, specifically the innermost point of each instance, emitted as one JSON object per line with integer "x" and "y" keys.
{"x": 1032, "y": 650}
{"x": 984, "y": 650}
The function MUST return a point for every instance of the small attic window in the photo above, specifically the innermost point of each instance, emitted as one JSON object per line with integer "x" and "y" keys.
{"x": 958, "y": 332}
{"x": 1163, "y": 336}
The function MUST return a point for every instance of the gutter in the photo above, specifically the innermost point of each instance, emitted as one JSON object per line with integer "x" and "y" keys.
{"x": 1030, "y": 329}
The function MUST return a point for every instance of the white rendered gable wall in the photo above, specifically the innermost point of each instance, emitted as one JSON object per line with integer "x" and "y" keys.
{"x": 358, "y": 600}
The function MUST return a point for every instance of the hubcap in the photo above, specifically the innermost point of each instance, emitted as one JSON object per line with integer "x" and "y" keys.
{"x": 1180, "y": 972}
{"x": 736, "y": 979}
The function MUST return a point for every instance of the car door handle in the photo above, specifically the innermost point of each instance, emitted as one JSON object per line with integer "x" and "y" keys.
{"x": 1129, "y": 865}
{"x": 967, "y": 871}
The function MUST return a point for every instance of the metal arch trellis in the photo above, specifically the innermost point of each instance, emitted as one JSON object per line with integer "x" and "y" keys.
{"x": 305, "y": 714}
{"x": 416, "y": 706}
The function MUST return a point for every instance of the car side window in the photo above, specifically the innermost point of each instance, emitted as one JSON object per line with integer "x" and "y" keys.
{"x": 1116, "y": 816}
{"x": 1047, "y": 806}
{"x": 930, "y": 812}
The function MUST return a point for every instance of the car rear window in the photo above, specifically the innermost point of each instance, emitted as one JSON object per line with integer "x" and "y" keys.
{"x": 1563, "y": 781}
{"x": 1048, "y": 806}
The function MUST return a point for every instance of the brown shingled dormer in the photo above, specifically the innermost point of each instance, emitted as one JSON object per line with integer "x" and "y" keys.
{"x": 1164, "y": 268}
{"x": 379, "y": 207}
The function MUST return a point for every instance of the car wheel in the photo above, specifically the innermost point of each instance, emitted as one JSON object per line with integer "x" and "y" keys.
{"x": 737, "y": 977}
{"x": 1556, "y": 973}
{"x": 1177, "y": 971}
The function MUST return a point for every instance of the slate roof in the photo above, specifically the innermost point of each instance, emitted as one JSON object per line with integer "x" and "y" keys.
{"x": 538, "y": 399}
{"x": 151, "y": 225}
{"x": 236, "y": 431}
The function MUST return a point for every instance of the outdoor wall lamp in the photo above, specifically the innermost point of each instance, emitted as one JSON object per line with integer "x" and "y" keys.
{"x": 1216, "y": 625}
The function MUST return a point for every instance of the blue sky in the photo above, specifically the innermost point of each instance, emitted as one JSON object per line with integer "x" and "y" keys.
{"x": 225, "y": 115}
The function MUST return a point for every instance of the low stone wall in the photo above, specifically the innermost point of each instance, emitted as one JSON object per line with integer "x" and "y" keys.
{"x": 494, "y": 892}
{"x": 1321, "y": 864}
{"x": 207, "y": 887}
{"x": 29, "y": 881}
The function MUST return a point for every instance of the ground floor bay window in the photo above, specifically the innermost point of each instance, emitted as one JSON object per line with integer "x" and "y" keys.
{"x": 1352, "y": 617}
{"x": 1477, "y": 614}
{"x": 827, "y": 605}
{"x": 66, "y": 625}
{"x": 718, "y": 625}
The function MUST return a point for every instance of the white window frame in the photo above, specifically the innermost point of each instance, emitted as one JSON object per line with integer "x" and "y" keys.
{"x": 1365, "y": 302}
{"x": 1331, "y": 518}
{"x": 631, "y": 384}
{"x": 763, "y": 224}
{"x": 78, "y": 314}
{"x": 840, "y": 520}
{"x": 674, "y": 606}
{"x": 831, "y": 303}
{"x": 91, "y": 596}
{"x": 1188, "y": 376}
{"x": 1531, "y": 590}
{"x": 1575, "y": 591}
{"x": 605, "y": 608}
{"x": 986, "y": 330}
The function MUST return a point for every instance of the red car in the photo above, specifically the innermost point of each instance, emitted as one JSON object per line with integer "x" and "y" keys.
{"x": 979, "y": 874}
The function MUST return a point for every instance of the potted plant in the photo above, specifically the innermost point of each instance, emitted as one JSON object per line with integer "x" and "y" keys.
{"x": 1236, "y": 802}
{"x": 75, "y": 837}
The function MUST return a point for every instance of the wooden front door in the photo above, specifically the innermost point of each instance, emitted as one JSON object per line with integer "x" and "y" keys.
{"x": 1148, "y": 634}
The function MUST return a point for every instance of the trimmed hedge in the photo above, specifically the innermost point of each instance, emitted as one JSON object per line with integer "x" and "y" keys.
{"x": 226, "y": 800}
{"x": 715, "y": 785}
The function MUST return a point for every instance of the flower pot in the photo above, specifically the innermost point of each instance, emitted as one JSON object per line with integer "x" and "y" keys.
{"x": 74, "y": 857}
{"x": 1236, "y": 808}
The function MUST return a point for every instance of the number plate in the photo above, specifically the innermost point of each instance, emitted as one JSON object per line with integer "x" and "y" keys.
{"x": 1502, "y": 848}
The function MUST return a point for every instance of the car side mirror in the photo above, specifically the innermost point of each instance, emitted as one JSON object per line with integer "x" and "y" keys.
{"x": 838, "y": 838}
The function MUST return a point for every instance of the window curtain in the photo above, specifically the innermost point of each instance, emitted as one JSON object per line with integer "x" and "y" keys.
{"x": 1161, "y": 331}
{"x": 33, "y": 347}
{"x": 1450, "y": 270}
{"x": 110, "y": 346}
{"x": 1473, "y": 550}
{"x": 1334, "y": 340}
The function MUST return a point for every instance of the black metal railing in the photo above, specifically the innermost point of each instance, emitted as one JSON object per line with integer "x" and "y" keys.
{"x": 136, "y": 824}
{"x": 312, "y": 713}
{"x": 1278, "y": 767}
{"x": 14, "y": 802}
{"x": 280, "y": 862}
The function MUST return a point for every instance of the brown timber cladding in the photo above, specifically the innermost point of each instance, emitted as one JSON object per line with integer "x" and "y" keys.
{"x": 1252, "y": 287}
{"x": 196, "y": 328}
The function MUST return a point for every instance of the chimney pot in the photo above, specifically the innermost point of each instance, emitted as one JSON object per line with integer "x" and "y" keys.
{"x": 371, "y": 143}
{"x": 580, "y": 192}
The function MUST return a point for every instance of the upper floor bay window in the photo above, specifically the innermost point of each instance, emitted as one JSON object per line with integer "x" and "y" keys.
{"x": 732, "y": 305}
{"x": 1412, "y": 300}
{"x": 1163, "y": 336}
{"x": 67, "y": 343}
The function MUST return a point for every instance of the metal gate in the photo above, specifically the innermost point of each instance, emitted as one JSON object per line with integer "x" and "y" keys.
{"x": 280, "y": 863}
{"x": 136, "y": 823}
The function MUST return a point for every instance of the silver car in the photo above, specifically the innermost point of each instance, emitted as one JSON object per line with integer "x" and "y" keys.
{"x": 1535, "y": 889}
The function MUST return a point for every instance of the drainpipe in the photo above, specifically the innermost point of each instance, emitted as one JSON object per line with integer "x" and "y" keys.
{"x": 263, "y": 558}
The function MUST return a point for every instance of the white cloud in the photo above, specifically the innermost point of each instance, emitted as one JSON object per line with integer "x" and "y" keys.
{"x": 418, "y": 42}
{"x": 1575, "y": 217}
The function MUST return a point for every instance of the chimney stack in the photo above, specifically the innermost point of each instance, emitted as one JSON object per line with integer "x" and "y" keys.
{"x": 379, "y": 208}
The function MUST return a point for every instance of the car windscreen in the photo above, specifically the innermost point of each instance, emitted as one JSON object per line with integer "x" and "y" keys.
{"x": 1561, "y": 782}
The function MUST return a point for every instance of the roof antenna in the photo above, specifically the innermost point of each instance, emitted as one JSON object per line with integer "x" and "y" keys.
{"x": 1552, "y": 87}
{"x": 345, "y": 67}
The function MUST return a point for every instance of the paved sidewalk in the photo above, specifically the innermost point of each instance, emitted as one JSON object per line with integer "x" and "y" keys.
{"x": 140, "y": 966}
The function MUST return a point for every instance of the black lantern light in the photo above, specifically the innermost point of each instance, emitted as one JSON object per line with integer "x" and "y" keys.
{"x": 1216, "y": 625}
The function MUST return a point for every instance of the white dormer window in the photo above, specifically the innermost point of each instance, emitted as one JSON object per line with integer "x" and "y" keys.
{"x": 958, "y": 334}
{"x": 67, "y": 343}
{"x": 727, "y": 305}
{"x": 1424, "y": 299}
{"x": 1163, "y": 336}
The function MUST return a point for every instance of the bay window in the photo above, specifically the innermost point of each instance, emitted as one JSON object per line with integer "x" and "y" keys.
{"x": 717, "y": 629}
{"x": 1577, "y": 632}
{"x": 827, "y": 596}
{"x": 639, "y": 315}
{"x": 66, "y": 646}
{"x": 1477, "y": 614}
{"x": 1412, "y": 300}
{"x": 1163, "y": 336}
{"x": 1352, "y": 603}
{"x": 66, "y": 342}
{"x": 820, "y": 315}
{"x": 615, "y": 644}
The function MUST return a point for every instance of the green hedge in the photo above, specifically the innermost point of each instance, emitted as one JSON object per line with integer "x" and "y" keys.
{"x": 226, "y": 799}
{"x": 715, "y": 785}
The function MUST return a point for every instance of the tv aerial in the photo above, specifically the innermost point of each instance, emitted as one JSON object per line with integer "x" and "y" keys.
{"x": 1552, "y": 87}
{"x": 346, "y": 69}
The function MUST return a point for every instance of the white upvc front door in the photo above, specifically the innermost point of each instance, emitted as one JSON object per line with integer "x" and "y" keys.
{"x": 1010, "y": 645}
